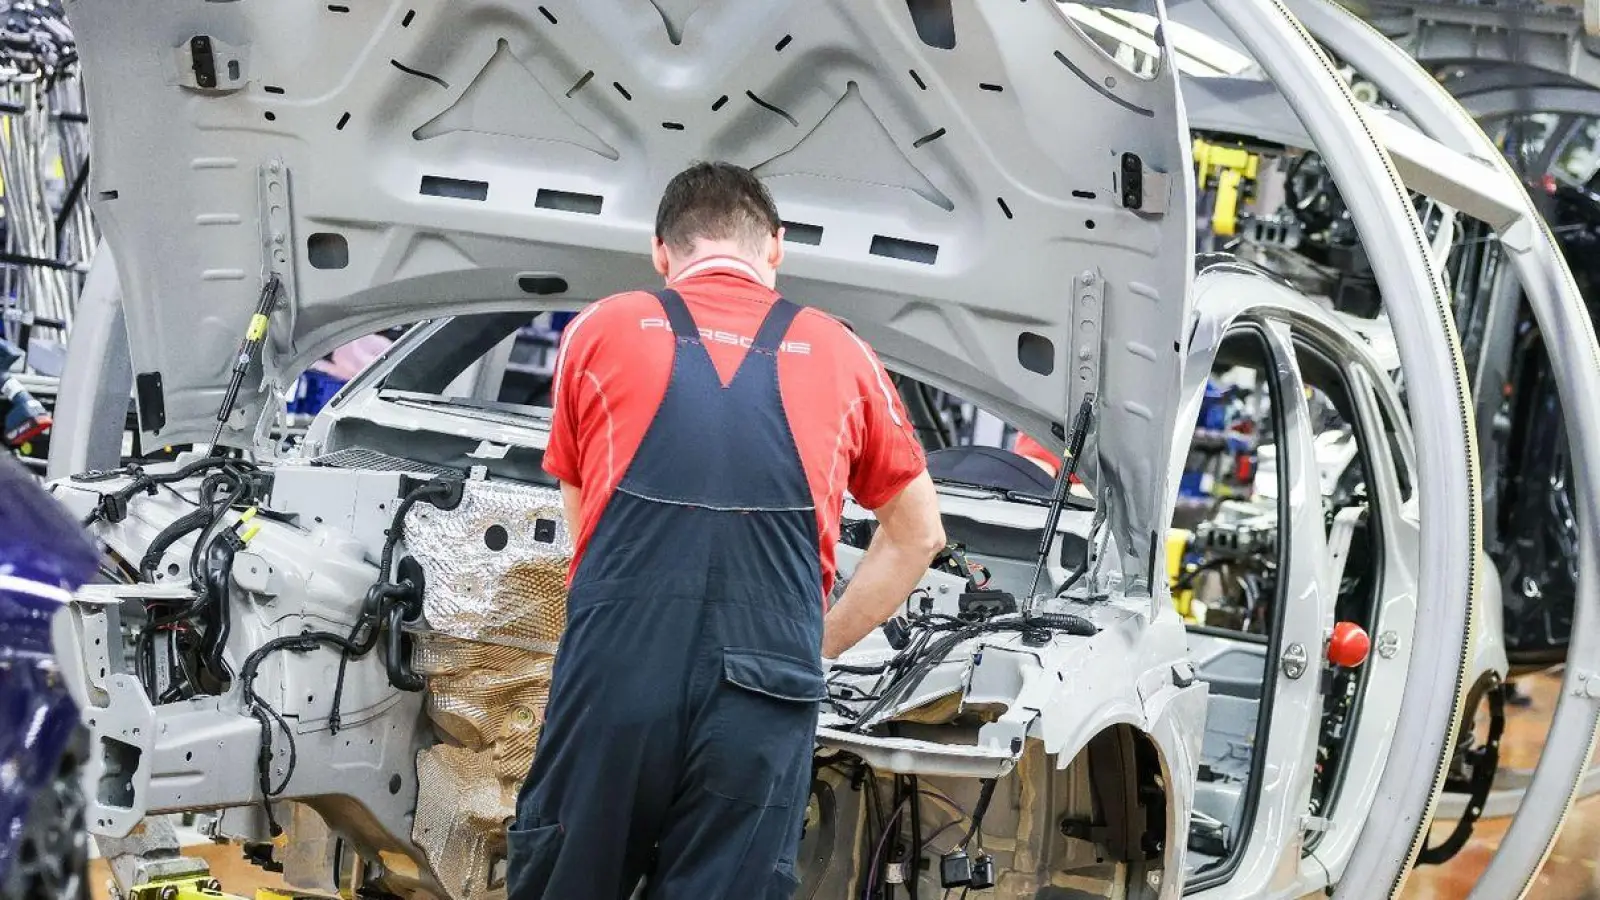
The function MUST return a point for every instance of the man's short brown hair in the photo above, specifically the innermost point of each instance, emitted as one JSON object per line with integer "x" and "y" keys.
{"x": 716, "y": 201}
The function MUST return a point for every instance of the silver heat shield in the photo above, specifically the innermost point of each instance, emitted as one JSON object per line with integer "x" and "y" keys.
{"x": 496, "y": 565}
{"x": 495, "y": 603}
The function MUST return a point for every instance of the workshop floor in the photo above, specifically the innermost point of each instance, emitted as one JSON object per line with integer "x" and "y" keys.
{"x": 1570, "y": 873}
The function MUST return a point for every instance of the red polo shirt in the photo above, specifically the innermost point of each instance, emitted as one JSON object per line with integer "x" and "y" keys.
{"x": 612, "y": 369}
{"x": 1037, "y": 452}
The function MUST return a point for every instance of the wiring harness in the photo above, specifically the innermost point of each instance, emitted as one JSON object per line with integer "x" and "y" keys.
{"x": 932, "y": 638}
{"x": 893, "y": 845}
{"x": 388, "y": 606}
{"x": 197, "y": 629}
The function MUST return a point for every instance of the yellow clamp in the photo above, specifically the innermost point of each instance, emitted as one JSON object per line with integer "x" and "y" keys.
{"x": 1231, "y": 167}
{"x": 1177, "y": 546}
{"x": 187, "y": 887}
{"x": 244, "y": 518}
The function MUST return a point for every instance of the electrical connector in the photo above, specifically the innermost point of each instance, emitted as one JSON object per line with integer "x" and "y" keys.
{"x": 955, "y": 869}
{"x": 982, "y": 873}
{"x": 897, "y": 633}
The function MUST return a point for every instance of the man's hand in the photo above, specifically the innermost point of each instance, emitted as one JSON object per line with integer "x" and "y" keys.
{"x": 909, "y": 535}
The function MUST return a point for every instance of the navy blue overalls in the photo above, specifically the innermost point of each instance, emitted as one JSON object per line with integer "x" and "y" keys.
{"x": 683, "y": 706}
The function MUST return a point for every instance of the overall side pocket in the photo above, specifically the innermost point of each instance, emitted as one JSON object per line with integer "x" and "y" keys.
{"x": 763, "y": 719}
{"x": 531, "y": 855}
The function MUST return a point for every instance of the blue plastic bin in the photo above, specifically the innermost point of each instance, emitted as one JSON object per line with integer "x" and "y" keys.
{"x": 313, "y": 391}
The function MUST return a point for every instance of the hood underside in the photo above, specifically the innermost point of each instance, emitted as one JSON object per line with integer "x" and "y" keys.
{"x": 993, "y": 202}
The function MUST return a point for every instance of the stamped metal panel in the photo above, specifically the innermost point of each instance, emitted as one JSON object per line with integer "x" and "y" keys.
{"x": 477, "y": 156}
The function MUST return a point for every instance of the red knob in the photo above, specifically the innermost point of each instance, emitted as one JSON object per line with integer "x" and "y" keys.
{"x": 1349, "y": 645}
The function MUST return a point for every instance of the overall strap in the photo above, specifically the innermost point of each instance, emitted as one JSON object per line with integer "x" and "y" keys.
{"x": 678, "y": 314}
{"x": 775, "y": 326}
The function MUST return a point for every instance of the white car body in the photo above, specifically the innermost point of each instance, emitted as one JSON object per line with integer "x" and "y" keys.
{"x": 1008, "y": 218}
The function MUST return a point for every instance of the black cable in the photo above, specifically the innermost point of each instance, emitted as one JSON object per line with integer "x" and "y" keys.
{"x": 144, "y": 482}
{"x": 191, "y": 521}
{"x": 334, "y": 721}
{"x": 219, "y": 508}
{"x": 378, "y": 599}
{"x": 263, "y": 711}
{"x": 183, "y": 662}
{"x": 918, "y": 669}
{"x": 914, "y": 664}
{"x": 391, "y": 537}
{"x": 397, "y": 523}
{"x": 1076, "y": 577}
{"x": 914, "y": 877}
{"x": 172, "y": 666}
{"x": 985, "y": 794}
{"x": 215, "y": 641}
{"x": 875, "y": 823}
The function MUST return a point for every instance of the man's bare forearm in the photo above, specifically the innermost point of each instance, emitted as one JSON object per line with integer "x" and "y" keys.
{"x": 885, "y": 577}
{"x": 909, "y": 536}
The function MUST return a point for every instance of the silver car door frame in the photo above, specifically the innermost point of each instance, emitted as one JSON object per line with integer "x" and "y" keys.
{"x": 1575, "y": 360}
{"x": 1268, "y": 861}
{"x": 1448, "y": 490}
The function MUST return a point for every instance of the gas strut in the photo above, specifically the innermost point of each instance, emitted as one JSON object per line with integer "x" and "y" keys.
{"x": 249, "y": 349}
{"x": 1069, "y": 467}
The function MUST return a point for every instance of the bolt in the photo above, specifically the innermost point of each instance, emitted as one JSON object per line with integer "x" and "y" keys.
{"x": 1588, "y": 687}
{"x": 275, "y": 166}
{"x": 277, "y": 237}
{"x": 1154, "y": 878}
{"x": 1085, "y": 352}
{"x": 1295, "y": 660}
{"x": 1087, "y": 278}
{"x": 1388, "y": 644}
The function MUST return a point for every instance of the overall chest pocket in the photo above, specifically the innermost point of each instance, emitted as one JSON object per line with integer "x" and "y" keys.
{"x": 763, "y": 722}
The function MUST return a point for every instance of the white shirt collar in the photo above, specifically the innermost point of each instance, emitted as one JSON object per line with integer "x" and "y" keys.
{"x": 732, "y": 263}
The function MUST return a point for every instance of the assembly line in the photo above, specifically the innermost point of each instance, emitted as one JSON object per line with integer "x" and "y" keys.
{"x": 909, "y": 448}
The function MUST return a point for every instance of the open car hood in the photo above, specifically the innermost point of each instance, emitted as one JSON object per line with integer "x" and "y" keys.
{"x": 991, "y": 201}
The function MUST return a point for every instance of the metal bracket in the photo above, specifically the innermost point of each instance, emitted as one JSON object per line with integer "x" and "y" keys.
{"x": 1144, "y": 190}
{"x": 277, "y": 237}
{"x": 150, "y": 854}
{"x": 1315, "y": 824}
{"x": 277, "y": 258}
{"x": 1295, "y": 660}
{"x": 1088, "y": 314}
{"x": 203, "y": 63}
